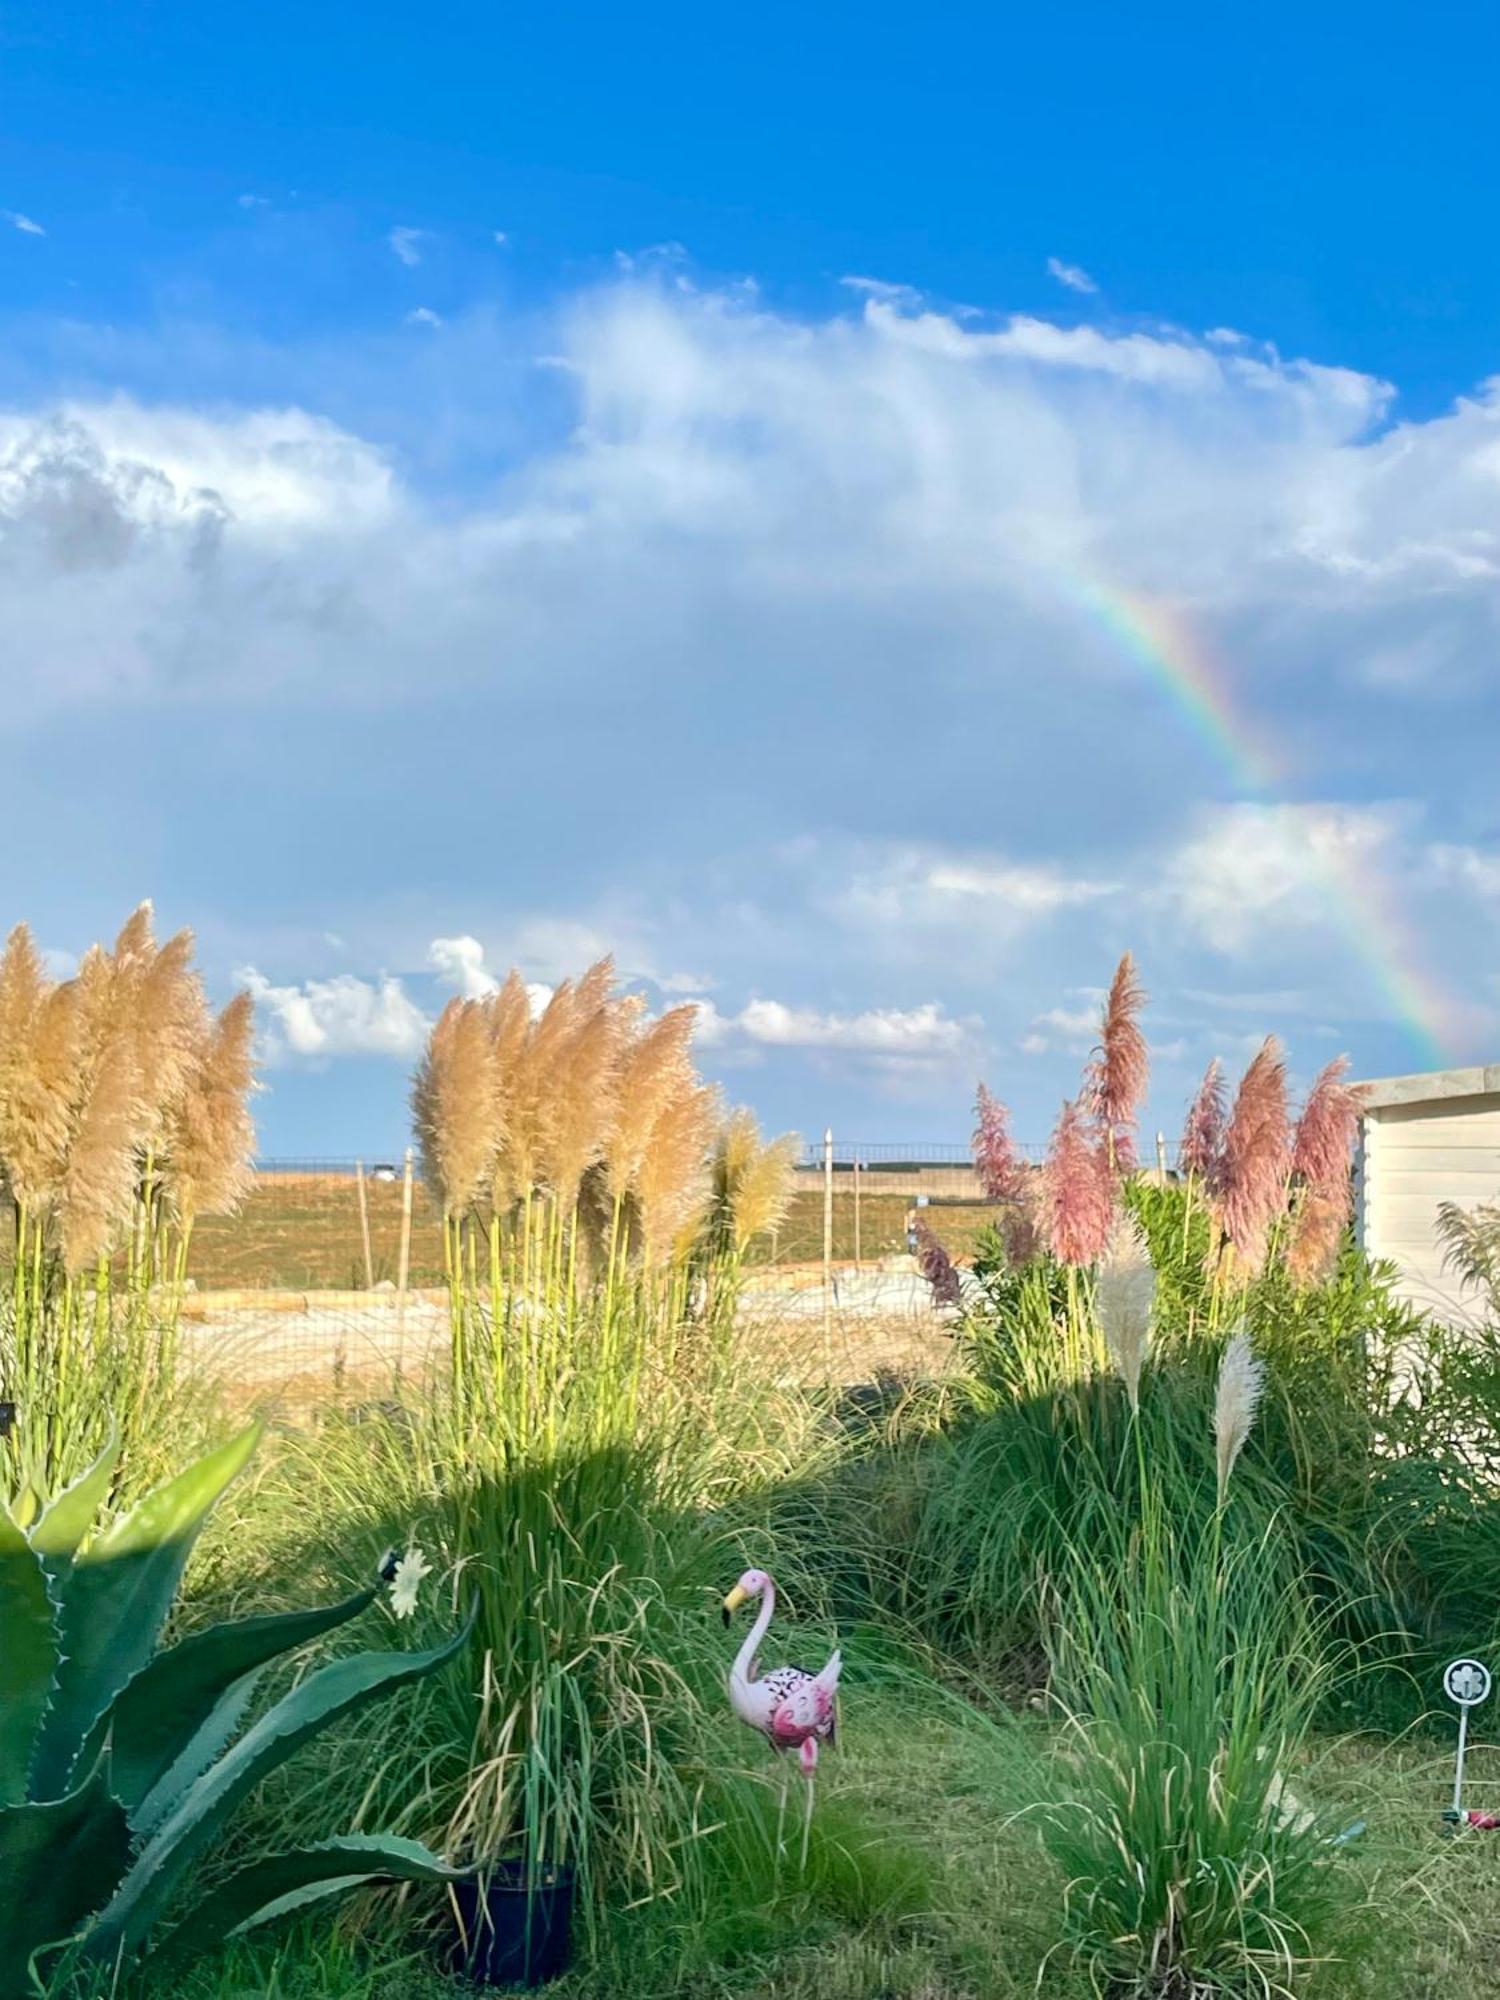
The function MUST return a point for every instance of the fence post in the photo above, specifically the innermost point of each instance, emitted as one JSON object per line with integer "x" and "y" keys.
{"x": 1161, "y": 1156}
{"x": 827, "y": 1232}
{"x": 364, "y": 1224}
{"x": 403, "y": 1269}
{"x": 857, "y": 1258}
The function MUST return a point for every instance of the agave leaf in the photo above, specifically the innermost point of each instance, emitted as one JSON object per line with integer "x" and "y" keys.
{"x": 63, "y": 1523}
{"x": 28, "y": 1656}
{"x": 285, "y": 1882}
{"x": 163, "y": 1709}
{"x": 195, "y": 1756}
{"x": 117, "y": 1594}
{"x": 58, "y": 1863}
{"x": 334, "y": 1690}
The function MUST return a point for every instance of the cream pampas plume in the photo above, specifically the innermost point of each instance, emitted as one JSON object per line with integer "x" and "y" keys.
{"x": 672, "y": 1179}
{"x": 166, "y": 1028}
{"x": 23, "y": 983}
{"x": 454, "y": 1104}
{"x": 1080, "y": 1191}
{"x": 762, "y": 1191}
{"x": 1120, "y": 1070}
{"x": 1241, "y": 1379}
{"x": 533, "y": 1091}
{"x": 655, "y": 1069}
{"x": 588, "y": 1083}
{"x": 210, "y": 1136}
{"x": 508, "y": 1015}
{"x": 98, "y": 1181}
{"x": 1125, "y": 1294}
{"x": 1257, "y": 1154}
{"x": 39, "y": 1097}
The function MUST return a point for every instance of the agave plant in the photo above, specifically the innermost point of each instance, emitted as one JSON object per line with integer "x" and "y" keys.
{"x": 119, "y": 1763}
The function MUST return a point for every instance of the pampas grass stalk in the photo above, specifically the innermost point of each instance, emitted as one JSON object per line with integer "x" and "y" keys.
{"x": 1256, "y": 1156}
{"x": 1236, "y": 1400}
{"x": 1124, "y": 1297}
{"x": 1119, "y": 1073}
{"x": 108, "y": 1081}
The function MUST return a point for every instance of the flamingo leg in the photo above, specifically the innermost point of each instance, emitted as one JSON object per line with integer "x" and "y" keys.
{"x": 808, "y": 1758}
{"x": 786, "y": 1780}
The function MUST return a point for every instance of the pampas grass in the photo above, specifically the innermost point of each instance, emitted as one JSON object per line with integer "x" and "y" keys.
{"x": 1080, "y": 1191}
{"x": 1256, "y": 1156}
{"x": 454, "y": 1103}
{"x": 752, "y": 1181}
{"x": 936, "y": 1266}
{"x": 123, "y": 1115}
{"x": 1120, "y": 1069}
{"x": 1202, "y": 1148}
{"x": 1241, "y": 1379}
{"x": 1124, "y": 1296}
{"x": 997, "y": 1160}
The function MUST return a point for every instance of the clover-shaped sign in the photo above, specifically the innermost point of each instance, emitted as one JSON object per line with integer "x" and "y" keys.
{"x": 1467, "y": 1682}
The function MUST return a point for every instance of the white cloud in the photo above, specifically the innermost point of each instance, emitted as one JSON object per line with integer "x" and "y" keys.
{"x": 459, "y": 962}
{"x": 1075, "y": 1029}
{"x": 252, "y": 201}
{"x": 922, "y": 1034}
{"x": 1253, "y": 870}
{"x": 423, "y": 316}
{"x": 1473, "y": 868}
{"x": 342, "y": 1016}
{"x": 1072, "y": 275}
{"x": 406, "y": 245}
{"x": 22, "y": 222}
{"x": 928, "y": 888}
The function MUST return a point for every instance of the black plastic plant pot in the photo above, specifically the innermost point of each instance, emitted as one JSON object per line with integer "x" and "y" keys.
{"x": 514, "y": 1932}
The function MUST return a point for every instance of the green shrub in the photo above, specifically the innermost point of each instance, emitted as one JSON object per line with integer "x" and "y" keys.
{"x": 120, "y": 1764}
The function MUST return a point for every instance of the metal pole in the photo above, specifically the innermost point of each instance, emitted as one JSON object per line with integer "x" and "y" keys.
{"x": 828, "y": 1231}
{"x": 403, "y": 1269}
{"x": 1458, "y": 1773}
{"x": 1161, "y": 1154}
{"x": 857, "y": 1258}
{"x": 364, "y": 1224}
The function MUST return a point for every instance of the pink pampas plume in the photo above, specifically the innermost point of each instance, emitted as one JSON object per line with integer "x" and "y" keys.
{"x": 1321, "y": 1148}
{"x": 1202, "y": 1148}
{"x": 1326, "y": 1130}
{"x": 1120, "y": 1070}
{"x": 1080, "y": 1191}
{"x": 1257, "y": 1154}
{"x": 1001, "y": 1170}
{"x": 936, "y": 1266}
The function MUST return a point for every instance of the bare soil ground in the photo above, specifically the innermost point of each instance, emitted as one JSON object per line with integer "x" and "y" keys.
{"x": 302, "y": 1348}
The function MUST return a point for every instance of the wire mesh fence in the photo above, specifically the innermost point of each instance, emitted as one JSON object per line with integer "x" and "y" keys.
{"x": 327, "y": 1282}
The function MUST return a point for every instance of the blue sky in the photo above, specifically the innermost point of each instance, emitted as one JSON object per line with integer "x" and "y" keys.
{"x": 480, "y": 488}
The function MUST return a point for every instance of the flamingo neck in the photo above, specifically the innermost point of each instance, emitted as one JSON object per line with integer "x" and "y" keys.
{"x": 744, "y": 1660}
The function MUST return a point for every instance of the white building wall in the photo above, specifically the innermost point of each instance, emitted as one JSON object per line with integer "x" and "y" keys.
{"x": 1413, "y": 1156}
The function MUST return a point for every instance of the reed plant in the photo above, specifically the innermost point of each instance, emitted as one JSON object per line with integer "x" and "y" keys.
{"x": 1189, "y": 1667}
{"x": 598, "y": 1211}
{"x": 123, "y": 1118}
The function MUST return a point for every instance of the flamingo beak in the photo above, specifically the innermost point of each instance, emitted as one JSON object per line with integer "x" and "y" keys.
{"x": 733, "y": 1601}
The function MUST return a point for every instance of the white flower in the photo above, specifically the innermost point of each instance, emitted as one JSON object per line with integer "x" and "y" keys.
{"x": 410, "y": 1571}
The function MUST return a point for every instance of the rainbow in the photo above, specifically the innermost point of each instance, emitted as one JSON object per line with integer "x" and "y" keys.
{"x": 1361, "y": 900}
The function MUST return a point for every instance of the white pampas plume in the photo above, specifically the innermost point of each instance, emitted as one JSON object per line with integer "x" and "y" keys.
{"x": 1125, "y": 1293}
{"x": 1241, "y": 1379}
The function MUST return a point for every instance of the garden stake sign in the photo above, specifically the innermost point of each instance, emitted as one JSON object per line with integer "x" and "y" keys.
{"x": 1468, "y": 1683}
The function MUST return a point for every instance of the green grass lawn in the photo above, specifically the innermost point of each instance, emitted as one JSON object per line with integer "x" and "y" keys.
{"x": 937, "y": 1890}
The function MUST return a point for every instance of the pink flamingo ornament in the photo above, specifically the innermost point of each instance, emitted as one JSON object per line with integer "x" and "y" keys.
{"x": 792, "y": 1708}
